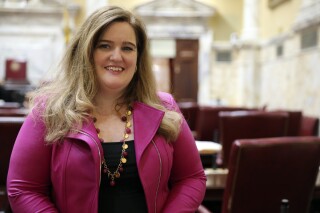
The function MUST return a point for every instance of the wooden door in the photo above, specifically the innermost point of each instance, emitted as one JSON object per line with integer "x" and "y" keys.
{"x": 184, "y": 77}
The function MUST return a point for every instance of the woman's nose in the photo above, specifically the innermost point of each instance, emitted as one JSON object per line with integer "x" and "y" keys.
{"x": 116, "y": 55}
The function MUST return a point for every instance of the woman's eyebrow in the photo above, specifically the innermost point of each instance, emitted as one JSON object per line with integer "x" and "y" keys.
{"x": 108, "y": 41}
{"x": 125, "y": 42}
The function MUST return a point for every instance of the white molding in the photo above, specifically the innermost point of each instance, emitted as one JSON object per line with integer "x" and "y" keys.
{"x": 175, "y": 8}
{"x": 309, "y": 15}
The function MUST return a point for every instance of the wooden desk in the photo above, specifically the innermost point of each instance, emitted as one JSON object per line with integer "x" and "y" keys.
{"x": 208, "y": 147}
{"x": 208, "y": 151}
{"x": 20, "y": 112}
{"x": 216, "y": 181}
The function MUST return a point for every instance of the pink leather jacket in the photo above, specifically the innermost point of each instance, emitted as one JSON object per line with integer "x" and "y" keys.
{"x": 66, "y": 177}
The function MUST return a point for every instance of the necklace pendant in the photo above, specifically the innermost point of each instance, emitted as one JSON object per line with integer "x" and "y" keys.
{"x": 128, "y": 130}
{"x": 123, "y": 160}
{"x": 125, "y": 146}
{"x": 128, "y": 124}
{"x": 117, "y": 175}
{"x": 124, "y": 118}
{"x": 112, "y": 183}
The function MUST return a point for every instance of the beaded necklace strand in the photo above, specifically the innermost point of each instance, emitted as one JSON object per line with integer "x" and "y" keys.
{"x": 127, "y": 131}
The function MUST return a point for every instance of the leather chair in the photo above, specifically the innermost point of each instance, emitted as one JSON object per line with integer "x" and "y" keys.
{"x": 264, "y": 171}
{"x": 190, "y": 112}
{"x": 294, "y": 121}
{"x": 9, "y": 128}
{"x": 309, "y": 126}
{"x": 248, "y": 124}
{"x": 207, "y": 129}
{"x": 207, "y": 124}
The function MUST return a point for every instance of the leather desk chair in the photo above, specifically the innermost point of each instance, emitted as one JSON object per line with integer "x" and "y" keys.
{"x": 207, "y": 124}
{"x": 207, "y": 128}
{"x": 9, "y": 128}
{"x": 248, "y": 124}
{"x": 264, "y": 171}
{"x": 190, "y": 112}
{"x": 294, "y": 122}
{"x": 309, "y": 126}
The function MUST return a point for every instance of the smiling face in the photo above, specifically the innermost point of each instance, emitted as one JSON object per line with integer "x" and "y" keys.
{"x": 115, "y": 58}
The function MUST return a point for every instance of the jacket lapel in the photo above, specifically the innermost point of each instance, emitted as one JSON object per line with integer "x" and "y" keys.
{"x": 146, "y": 121}
{"x": 87, "y": 127}
{"x": 89, "y": 135}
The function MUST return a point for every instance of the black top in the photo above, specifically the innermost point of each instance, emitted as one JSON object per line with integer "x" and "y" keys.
{"x": 127, "y": 195}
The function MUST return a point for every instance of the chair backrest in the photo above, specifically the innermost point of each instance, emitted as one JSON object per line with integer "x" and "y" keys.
{"x": 294, "y": 122}
{"x": 16, "y": 71}
{"x": 190, "y": 112}
{"x": 9, "y": 128}
{"x": 264, "y": 171}
{"x": 249, "y": 124}
{"x": 207, "y": 124}
{"x": 309, "y": 126}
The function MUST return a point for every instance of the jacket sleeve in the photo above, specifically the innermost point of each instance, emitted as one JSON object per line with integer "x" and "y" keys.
{"x": 28, "y": 181}
{"x": 187, "y": 179}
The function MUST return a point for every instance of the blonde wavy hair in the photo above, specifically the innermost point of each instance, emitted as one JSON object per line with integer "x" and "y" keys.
{"x": 66, "y": 102}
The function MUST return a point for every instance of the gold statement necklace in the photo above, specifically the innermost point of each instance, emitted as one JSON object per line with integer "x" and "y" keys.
{"x": 127, "y": 131}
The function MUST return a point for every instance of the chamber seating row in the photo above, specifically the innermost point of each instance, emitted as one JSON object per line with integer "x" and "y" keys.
{"x": 223, "y": 125}
{"x": 204, "y": 120}
{"x": 270, "y": 156}
{"x": 264, "y": 174}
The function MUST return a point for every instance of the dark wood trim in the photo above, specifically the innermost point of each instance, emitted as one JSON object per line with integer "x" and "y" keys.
{"x": 274, "y": 3}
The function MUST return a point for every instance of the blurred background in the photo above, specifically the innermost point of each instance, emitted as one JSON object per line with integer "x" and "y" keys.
{"x": 250, "y": 53}
{"x": 261, "y": 57}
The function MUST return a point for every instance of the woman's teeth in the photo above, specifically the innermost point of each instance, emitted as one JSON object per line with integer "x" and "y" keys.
{"x": 115, "y": 69}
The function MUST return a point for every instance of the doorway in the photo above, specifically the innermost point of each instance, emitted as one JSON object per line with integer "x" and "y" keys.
{"x": 179, "y": 74}
{"x": 184, "y": 70}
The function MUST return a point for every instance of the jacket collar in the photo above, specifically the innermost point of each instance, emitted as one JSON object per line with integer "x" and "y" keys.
{"x": 146, "y": 121}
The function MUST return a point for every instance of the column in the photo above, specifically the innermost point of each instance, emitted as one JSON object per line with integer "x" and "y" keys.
{"x": 250, "y": 20}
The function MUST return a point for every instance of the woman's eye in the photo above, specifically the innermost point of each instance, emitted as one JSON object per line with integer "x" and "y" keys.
{"x": 104, "y": 46}
{"x": 127, "y": 48}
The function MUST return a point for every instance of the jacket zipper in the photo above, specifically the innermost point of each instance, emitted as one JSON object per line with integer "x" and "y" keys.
{"x": 85, "y": 133}
{"x": 155, "y": 205}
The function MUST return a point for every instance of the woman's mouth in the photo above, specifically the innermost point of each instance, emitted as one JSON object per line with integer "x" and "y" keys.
{"x": 114, "y": 69}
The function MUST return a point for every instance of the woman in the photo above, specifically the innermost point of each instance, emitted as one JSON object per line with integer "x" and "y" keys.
{"x": 99, "y": 137}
